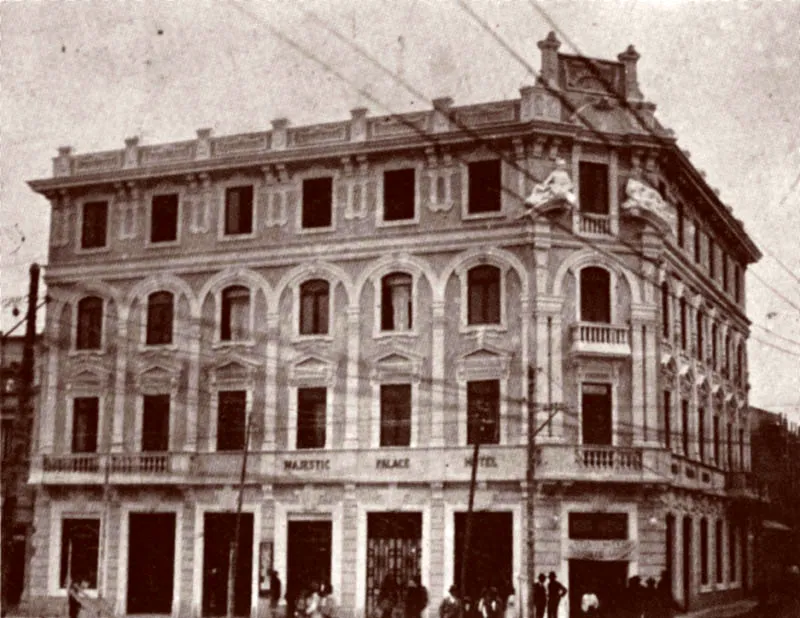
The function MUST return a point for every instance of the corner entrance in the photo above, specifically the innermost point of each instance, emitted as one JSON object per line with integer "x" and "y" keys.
{"x": 308, "y": 559}
{"x": 218, "y": 534}
{"x": 606, "y": 579}
{"x": 490, "y": 554}
{"x": 393, "y": 555}
{"x": 151, "y": 563}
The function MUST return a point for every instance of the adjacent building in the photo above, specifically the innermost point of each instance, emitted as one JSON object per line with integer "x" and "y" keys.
{"x": 355, "y": 305}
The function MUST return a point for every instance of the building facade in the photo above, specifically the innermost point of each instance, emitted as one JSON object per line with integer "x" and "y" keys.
{"x": 361, "y": 302}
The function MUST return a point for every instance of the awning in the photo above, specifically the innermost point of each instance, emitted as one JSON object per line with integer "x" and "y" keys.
{"x": 775, "y": 525}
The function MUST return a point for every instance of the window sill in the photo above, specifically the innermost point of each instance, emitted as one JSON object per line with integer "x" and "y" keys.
{"x": 310, "y": 450}
{"x": 223, "y": 345}
{"x": 397, "y": 222}
{"x": 234, "y": 237}
{"x": 93, "y": 250}
{"x": 75, "y": 353}
{"x": 316, "y": 230}
{"x": 158, "y": 244}
{"x": 396, "y": 334}
{"x": 89, "y": 592}
{"x": 483, "y": 328}
{"x": 158, "y": 347}
{"x": 706, "y": 588}
{"x": 323, "y": 338}
{"x": 479, "y": 216}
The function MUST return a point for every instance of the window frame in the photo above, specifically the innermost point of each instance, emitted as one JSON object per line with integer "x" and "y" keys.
{"x": 464, "y": 271}
{"x": 146, "y": 330}
{"x": 151, "y": 196}
{"x": 608, "y": 198}
{"x": 75, "y": 331}
{"x": 298, "y": 303}
{"x": 499, "y": 429}
{"x": 140, "y": 433}
{"x": 380, "y": 210}
{"x": 60, "y": 521}
{"x": 612, "y": 297}
{"x": 295, "y": 426}
{"x": 233, "y": 184}
{"x": 466, "y": 210}
{"x": 98, "y": 425}
{"x": 411, "y": 430}
{"x": 378, "y": 283}
{"x": 613, "y": 394}
{"x": 218, "y": 395}
{"x": 108, "y": 198}
{"x": 316, "y": 174}
{"x": 249, "y": 339}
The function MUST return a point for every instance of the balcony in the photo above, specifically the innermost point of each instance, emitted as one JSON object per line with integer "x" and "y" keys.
{"x": 598, "y": 339}
{"x": 116, "y": 468}
{"x": 744, "y": 486}
{"x": 569, "y": 462}
{"x": 594, "y": 224}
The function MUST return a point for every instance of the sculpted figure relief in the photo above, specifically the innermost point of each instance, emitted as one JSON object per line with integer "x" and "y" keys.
{"x": 643, "y": 196}
{"x": 557, "y": 186}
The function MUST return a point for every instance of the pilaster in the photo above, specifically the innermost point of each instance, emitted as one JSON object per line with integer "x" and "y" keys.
{"x": 437, "y": 375}
{"x": 120, "y": 390}
{"x": 193, "y": 386}
{"x": 271, "y": 383}
{"x": 638, "y": 384}
{"x": 351, "y": 397}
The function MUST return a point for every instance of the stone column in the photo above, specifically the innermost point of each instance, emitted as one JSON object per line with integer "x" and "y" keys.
{"x": 435, "y": 545}
{"x": 120, "y": 391}
{"x": 271, "y": 382}
{"x": 47, "y": 430}
{"x": 437, "y": 375}
{"x": 193, "y": 386}
{"x": 350, "y": 548}
{"x": 351, "y": 398}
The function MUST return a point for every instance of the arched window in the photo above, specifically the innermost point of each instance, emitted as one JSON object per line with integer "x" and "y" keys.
{"x": 396, "y": 302}
{"x": 314, "y": 298}
{"x": 483, "y": 295}
{"x": 89, "y": 327}
{"x": 159, "y": 318}
{"x": 595, "y": 295}
{"x": 235, "y": 314}
{"x": 700, "y": 339}
{"x": 665, "y": 312}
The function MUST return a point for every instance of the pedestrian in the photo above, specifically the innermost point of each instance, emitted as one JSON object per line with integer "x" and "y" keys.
{"x": 490, "y": 605}
{"x": 590, "y": 604}
{"x": 555, "y": 592}
{"x": 327, "y": 601}
{"x": 416, "y": 598}
{"x": 540, "y": 596}
{"x": 313, "y": 609}
{"x": 74, "y": 600}
{"x": 388, "y": 596}
{"x": 450, "y": 607}
{"x": 511, "y": 603}
{"x": 275, "y": 591}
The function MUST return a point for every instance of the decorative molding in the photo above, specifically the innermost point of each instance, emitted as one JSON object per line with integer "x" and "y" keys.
{"x": 312, "y": 369}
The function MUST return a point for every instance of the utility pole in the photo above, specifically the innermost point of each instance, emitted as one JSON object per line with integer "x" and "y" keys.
{"x": 470, "y": 504}
{"x": 234, "y": 549}
{"x": 21, "y": 433}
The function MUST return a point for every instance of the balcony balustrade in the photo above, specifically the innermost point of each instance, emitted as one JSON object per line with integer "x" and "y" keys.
{"x": 600, "y": 339}
{"x": 568, "y": 462}
{"x": 595, "y": 225}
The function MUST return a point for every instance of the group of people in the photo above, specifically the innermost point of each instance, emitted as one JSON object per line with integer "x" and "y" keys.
{"x": 401, "y": 601}
{"x": 635, "y": 599}
{"x": 315, "y": 601}
{"x": 493, "y": 602}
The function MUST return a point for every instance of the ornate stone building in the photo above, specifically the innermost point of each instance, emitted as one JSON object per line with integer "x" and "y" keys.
{"x": 360, "y": 302}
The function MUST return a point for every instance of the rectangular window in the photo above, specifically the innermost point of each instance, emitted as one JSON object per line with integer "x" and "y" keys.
{"x": 396, "y": 302}
{"x": 742, "y": 465}
{"x": 239, "y": 210}
{"x": 598, "y": 526}
{"x": 681, "y": 227}
{"x": 668, "y": 419}
{"x": 311, "y": 417}
{"x": 594, "y": 188}
{"x": 85, "y": 418}
{"x": 685, "y": 426}
{"x": 164, "y": 218}
{"x": 89, "y": 335}
{"x": 231, "y": 420}
{"x": 596, "y": 414}
{"x": 716, "y": 441}
{"x": 6, "y": 438}
{"x": 95, "y": 225}
{"x": 684, "y": 329}
{"x": 485, "y": 188}
{"x": 718, "y": 550}
{"x": 395, "y": 414}
{"x": 737, "y": 283}
{"x": 314, "y": 301}
{"x": 483, "y": 412}
{"x": 235, "y": 314}
{"x": 725, "y": 273}
{"x": 483, "y": 295}
{"x": 733, "y": 539}
{"x": 155, "y": 423}
{"x": 80, "y": 544}
{"x": 701, "y": 432}
{"x": 698, "y": 244}
{"x": 731, "y": 462}
{"x": 398, "y": 195}
{"x": 317, "y": 203}
{"x": 704, "y": 552}
{"x": 665, "y": 312}
{"x": 160, "y": 312}
{"x": 712, "y": 258}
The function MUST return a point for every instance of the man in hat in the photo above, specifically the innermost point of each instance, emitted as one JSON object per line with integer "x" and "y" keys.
{"x": 555, "y": 591}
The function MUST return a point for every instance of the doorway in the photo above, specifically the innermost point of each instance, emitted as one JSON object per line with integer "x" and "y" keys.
{"x": 394, "y": 542}
{"x": 308, "y": 557}
{"x": 151, "y": 562}
{"x": 218, "y": 535}
{"x": 490, "y": 553}
{"x": 606, "y": 579}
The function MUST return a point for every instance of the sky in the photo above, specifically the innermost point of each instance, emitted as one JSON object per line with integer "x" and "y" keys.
{"x": 724, "y": 75}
